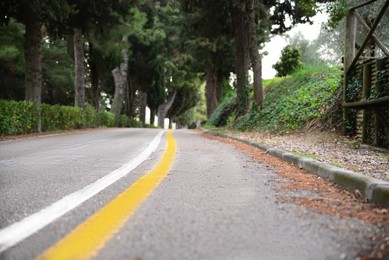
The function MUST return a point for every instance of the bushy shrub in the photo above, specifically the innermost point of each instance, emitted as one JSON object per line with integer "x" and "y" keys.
{"x": 17, "y": 117}
{"x": 90, "y": 117}
{"x": 22, "y": 118}
{"x": 222, "y": 113}
{"x": 55, "y": 117}
{"x": 125, "y": 121}
{"x": 107, "y": 119}
{"x": 289, "y": 62}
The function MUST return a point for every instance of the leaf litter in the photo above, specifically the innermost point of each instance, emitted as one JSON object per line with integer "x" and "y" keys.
{"x": 324, "y": 196}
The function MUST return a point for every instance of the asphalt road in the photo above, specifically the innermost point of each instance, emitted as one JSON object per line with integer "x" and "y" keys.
{"x": 214, "y": 203}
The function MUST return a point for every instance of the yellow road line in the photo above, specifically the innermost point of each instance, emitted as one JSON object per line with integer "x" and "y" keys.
{"x": 88, "y": 238}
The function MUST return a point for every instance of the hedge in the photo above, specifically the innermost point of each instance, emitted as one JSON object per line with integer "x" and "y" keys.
{"x": 17, "y": 117}
{"x": 21, "y": 117}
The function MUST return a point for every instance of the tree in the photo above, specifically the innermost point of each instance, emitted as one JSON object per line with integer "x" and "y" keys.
{"x": 186, "y": 99}
{"x": 12, "y": 61}
{"x": 241, "y": 57}
{"x": 57, "y": 73}
{"x": 57, "y": 68}
{"x": 175, "y": 74}
{"x": 91, "y": 17}
{"x": 255, "y": 58}
{"x": 120, "y": 77}
{"x": 309, "y": 50}
{"x": 134, "y": 25}
{"x": 209, "y": 38}
{"x": 334, "y": 33}
{"x": 255, "y": 12}
{"x": 290, "y": 60}
{"x": 330, "y": 45}
{"x": 34, "y": 14}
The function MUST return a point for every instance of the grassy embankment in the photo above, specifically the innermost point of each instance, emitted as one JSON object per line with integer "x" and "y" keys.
{"x": 308, "y": 97}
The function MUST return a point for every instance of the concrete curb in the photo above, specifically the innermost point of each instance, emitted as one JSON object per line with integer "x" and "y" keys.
{"x": 373, "y": 190}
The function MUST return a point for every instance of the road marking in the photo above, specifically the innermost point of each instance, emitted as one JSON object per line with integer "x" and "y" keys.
{"x": 19, "y": 231}
{"x": 88, "y": 238}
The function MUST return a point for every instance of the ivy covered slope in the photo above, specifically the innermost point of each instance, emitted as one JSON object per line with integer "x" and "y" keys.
{"x": 291, "y": 102}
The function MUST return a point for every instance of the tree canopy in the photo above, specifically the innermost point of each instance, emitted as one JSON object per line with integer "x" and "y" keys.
{"x": 171, "y": 48}
{"x": 289, "y": 62}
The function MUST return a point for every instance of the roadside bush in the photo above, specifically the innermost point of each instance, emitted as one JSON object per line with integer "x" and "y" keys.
{"x": 125, "y": 121}
{"x": 22, "y": 117}
{"x": 223, "y": 112}
{"x": 90, "y": 117}
{"x": 55, "y": 117}
{"x": 106, "y": 119}
{"x": 17, "y": 117}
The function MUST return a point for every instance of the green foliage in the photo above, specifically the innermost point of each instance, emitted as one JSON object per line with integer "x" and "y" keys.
{"x": 57, "y": 73}
{"x": 289, "y": 62}
{"x": 223, "y": 112}
{"x": 271, "y": 82}
{"x": 55, "y": 117}
{"x": 354, "y": 82}
{"x": 12, "y": 61}
{"x": 382, "y": 83}
{"x": 337, "y": 11}
{"x": 186, "y": 118}
{"x": 106, "y": 119}
{"x": 22, "y": 117}
{"x": 17, "y": 117}
{"x": 89, "y": 117}
{"x": 125, "y": 121}
{"x": 292, "y": 102}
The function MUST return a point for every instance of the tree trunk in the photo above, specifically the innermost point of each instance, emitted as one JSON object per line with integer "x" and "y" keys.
{"x": 164, "y": 108}
{"x": 170, "y": 123}
{"x": 349, "y": 120}
{"x": 79, "y": 58}
{"x": 94, "y": 75}
{"x": 120, "y": 77}
{"x": 152, "y": 116}
{"x": 241, "y": 58}
{"x": 33, "y": 63}
{"x": 130, "y": 98}
{"x": 255, "y": 58}
{"x": 211, "y": 90}
{"x": 142, "y": 107}
{"x": 219, "y": 90}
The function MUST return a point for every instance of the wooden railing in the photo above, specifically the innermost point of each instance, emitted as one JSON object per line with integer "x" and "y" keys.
{"x": 366, "y": 81}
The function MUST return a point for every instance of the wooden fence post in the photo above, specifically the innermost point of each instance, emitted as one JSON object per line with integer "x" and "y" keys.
{"x": 365, "y": 95}
{"x": 349, "y": 54}
{"x": 378, "y": 125}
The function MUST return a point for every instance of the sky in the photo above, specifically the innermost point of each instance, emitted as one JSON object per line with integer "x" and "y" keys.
{"x": 277, "y": 43}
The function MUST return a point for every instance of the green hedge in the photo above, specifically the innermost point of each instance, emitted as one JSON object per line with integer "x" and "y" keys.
{"x": 56, "y": 117}
{"x": 21, "y": 117}
{"x": 222, "y": 113}
{"x": 17, "y": 117}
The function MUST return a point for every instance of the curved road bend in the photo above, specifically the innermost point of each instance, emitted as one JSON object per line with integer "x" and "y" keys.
{"x": 214, "y": 203}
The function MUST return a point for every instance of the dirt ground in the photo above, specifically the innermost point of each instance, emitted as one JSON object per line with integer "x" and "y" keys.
{"x": 330, "y": 148}
{"x": 328, "y": 199}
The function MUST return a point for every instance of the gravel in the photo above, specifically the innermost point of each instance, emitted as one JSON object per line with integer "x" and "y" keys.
{"x": 330, "y": 148}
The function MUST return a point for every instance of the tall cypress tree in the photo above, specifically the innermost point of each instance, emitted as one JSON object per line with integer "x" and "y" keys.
{"x": 33, "y": 14}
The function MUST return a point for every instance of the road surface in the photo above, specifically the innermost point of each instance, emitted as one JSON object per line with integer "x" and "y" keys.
{"x": 203, "y": 199}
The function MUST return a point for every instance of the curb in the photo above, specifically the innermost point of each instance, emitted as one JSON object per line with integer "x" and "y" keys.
{"x": 373, "y": 190}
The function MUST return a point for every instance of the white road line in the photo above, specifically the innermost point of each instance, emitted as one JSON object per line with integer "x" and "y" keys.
{"x": 19, "y": 231}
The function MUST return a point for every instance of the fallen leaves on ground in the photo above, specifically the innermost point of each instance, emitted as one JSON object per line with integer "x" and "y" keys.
{"x": 327, "y": 147}
{"x": 327, "y": 198}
